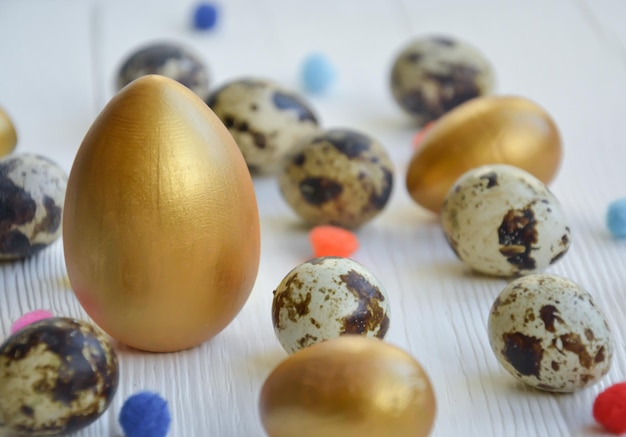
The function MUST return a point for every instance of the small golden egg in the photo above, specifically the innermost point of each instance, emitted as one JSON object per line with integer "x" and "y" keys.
{"x": 8, "y": 136}
{"x": 485, "y": 130}
{"x": 161, "y": 226}
{"x": 350, "y": 386}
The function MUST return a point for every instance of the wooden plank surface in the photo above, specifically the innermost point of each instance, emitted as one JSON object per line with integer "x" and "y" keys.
{"x": 58, "y": 61}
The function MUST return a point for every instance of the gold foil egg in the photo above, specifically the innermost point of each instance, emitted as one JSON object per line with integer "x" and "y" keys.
{"x": 485, "y": 130}
{"x": 350, "y": 386}
{"x": 8, "y": 136}
{"x": 161, "y": 226}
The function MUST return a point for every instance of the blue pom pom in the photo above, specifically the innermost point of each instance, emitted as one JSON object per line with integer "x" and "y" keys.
{"x": 318, "y": 74}
{"x": 145, "y": 414}
{"x": 205, "y": 16}
{"x": 616, "y": 218}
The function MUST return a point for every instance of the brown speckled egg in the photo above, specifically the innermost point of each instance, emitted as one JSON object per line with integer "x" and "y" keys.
{"x": 31, "y": 205}
{"x": 340, "y": 177}
{"x": 547, "y": 332}
{"x": 325, "y": 298}
{"x": 433, "y": 75}
{"x": 502, "y": 221}
{"x": 265, "y": 119}
{"x": 57, "y": 376}
{"x": 167, "y": 59}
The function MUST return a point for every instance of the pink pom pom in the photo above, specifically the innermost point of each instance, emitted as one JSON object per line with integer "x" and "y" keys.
{"x": 28, "y": 318}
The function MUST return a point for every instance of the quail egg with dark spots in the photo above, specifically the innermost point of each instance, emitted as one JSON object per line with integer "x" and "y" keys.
{"x": 57, "y": 376}
{"x": 168, "y": 59}
{"x": 340, "y": 177}
{"x": 31, "y": 205}
{"x": 547, "y": 332}
{"x": 503, "y": 221}
{"x": 325, "y": 298}
{"x": 265, "y": 119}
{"x": 433, "y": 75}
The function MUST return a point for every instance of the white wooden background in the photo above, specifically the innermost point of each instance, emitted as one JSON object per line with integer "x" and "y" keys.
{"x": 58, "y": 61}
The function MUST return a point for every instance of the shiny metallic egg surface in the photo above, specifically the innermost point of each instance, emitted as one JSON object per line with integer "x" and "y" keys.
{"x": 485, "y": 130}
{"x": 350, "y": 386}
{"x": 161, "y": 225}
{"x": 57, "y": 376}
{"x": 8, "y": 134}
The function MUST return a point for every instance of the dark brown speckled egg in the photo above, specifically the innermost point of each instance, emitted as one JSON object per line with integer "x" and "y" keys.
{"x": 31, "y": 205}
{"x": 57, "y": 376}
{"x": 432, "y": 75}
{"x": 548, "y": 332}
{"x": 265, "y": 119}
{"x": 340, "y": 177}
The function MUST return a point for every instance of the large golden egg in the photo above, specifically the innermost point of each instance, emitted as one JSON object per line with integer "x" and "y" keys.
{"x": 350, "y": 386}
{"x": 8, "y": 136}
{"x": 485, "y": 130}
{"x": 160, "y": 227}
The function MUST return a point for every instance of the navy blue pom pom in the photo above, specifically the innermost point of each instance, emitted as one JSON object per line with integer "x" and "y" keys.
{"x": 145, "y": 414}
{"x": 205, "y": 16}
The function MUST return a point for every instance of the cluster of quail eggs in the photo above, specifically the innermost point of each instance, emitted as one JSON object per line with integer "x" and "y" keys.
{"x": 483, "y": 167}
{"x": 337, "y": 176}
{"x": 59, "y": 375}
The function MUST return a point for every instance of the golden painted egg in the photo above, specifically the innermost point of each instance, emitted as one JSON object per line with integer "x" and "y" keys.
{"x": 161, "y": 226}
{"x": 350, "y": 386}
{"x": 8, "y": 136}
{"x": 485, "y": 130}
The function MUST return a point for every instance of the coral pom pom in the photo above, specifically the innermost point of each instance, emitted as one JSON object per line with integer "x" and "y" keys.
{"x": 332, "y": 241}
{"x": 145, "y": 414}
{"x": 609, "y": 408}
{"x": 28, "y": 318}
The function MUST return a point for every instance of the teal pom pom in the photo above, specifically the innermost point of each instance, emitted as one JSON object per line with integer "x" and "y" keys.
{"x": 318, "y": 74}
{"x": 616, "y": 218}
{"x": 145, "y": 414}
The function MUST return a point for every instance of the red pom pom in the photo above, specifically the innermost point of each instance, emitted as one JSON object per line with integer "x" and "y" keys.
{"x": 609, "y": 408}
{"x": 333, "y": 241}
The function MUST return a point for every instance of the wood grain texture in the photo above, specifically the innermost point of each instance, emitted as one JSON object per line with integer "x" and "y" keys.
{"x": 59, "y": 60}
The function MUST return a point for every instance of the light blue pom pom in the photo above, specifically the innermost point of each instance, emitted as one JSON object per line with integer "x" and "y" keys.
{"x": 318, "y": 74}
{"x": 145, "y": 414}
{"x": 616, "y": 218}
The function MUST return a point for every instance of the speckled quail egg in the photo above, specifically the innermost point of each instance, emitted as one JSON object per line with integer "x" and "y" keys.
{"x": 434, "y": 74}
{"x": 167, "y": 59}
{"x": 31, "y": 204}
{"x": 547, "y": 332}
{"x": 57, "y": 376}
{"x": 340, "y": 177}
{"x": 325, "y": 298}
{"x": 503, "y": 221}
{"x": 265, "y": 119}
